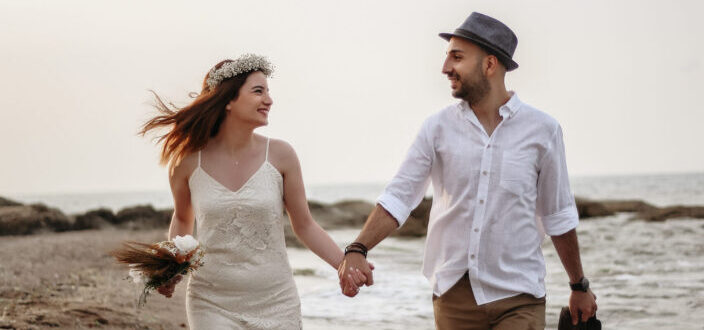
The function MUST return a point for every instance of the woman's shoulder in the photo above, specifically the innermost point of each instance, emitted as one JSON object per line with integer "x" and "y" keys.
{"x": 281, "y": 154}
{"x": 185, "y": 167}
{"x": 280, "y": 147}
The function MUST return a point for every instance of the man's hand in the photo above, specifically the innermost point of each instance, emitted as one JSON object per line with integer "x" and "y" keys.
{"x": 167, "y": 289}
{"x": 582, "y": 305}
{"x": 354, "y": 271}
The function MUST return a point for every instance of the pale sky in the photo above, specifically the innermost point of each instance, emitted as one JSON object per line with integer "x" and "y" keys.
{"x": 354, "y": 81}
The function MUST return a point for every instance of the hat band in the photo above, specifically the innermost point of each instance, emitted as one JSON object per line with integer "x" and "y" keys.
{"x": 470, "y": 35}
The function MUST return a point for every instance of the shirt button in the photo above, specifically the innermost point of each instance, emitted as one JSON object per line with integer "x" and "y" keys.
{"x": 488, "y": 146}
{"x": 476, "y": 230}
{"x": 481, "y": 201}
{"x": 472, "y": 256}
{"x": 485, "y": 172}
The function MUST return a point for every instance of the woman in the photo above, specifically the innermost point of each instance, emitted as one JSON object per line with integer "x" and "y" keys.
{"x": 237, "y": 183}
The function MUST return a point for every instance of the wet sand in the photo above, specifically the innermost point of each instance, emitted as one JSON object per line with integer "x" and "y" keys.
{"x": 68, "y": 281}
{"x": 647, "y": 276}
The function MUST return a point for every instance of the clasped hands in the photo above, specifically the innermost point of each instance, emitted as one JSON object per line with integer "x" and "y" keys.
{"x": 354, "y": 272}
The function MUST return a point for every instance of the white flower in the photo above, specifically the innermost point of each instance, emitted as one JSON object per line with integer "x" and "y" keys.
{"x": 185, "y": 244}
{"x": 245, "y": 63}
{"x": 137, "y": 276}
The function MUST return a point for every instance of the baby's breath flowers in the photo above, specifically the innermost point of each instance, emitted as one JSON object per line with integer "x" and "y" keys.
{"x": 156, "y": 264}
{"x": 244, "y": 63}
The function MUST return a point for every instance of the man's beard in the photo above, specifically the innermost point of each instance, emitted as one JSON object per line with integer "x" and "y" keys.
{"x": 472, "y": 90}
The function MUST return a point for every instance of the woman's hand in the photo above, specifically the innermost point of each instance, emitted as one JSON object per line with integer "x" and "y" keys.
{"x": 355, "y": 280}
{"x": 167, "y": 289}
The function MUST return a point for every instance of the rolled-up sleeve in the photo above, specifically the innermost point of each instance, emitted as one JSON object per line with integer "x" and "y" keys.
{"x": 555, "y": 205}
{"x": 407, "y": 188}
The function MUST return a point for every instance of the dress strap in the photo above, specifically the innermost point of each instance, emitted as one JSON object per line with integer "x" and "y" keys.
{"x": 267, "y": 150}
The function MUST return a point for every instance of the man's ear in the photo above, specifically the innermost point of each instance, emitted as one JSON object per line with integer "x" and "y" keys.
{"x": 491, "y": 65}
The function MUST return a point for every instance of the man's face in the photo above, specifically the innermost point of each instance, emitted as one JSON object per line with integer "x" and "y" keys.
{"x": 464, "y": 67}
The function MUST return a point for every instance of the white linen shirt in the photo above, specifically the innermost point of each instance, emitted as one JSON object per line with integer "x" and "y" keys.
{"x": 494, "y": 198}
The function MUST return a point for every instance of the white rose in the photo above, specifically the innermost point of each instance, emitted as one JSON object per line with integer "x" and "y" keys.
{"x": 185, "y": 244}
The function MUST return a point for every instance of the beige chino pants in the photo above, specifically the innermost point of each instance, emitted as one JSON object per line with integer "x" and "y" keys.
{"x": 456, "y": 309}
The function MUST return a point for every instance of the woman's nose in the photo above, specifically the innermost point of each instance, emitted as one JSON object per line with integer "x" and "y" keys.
{"x": 268, "y": 100}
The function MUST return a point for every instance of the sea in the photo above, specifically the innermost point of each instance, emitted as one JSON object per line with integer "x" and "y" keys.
{"x": 646, "y": 275}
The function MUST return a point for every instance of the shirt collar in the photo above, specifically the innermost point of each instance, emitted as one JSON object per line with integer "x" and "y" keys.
{"x": 510, "y": 108}
{"x": 507, "y": 110}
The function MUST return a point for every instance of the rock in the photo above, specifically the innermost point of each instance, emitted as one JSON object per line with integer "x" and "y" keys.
{"x": 679, "y": 211}
{"x": 590, "y": 209}
{"x": 30, "y": 219}
{"x": 6, "y": 202}
{"x": 628, "y": 206}
{"x": 167, "y": 213}
{"x": 18, "y": 220}
{"x": 340, "y": 215}
{"x": 142, "y": 217}
{"x": 290, "y": 236}
{"x": 344, "y": 214}
{"x": 417, "y": 223}
{"x": 313, "y": 205}
{"x": 355, "y": 206}
{"x": 422, "y": 211}
{"x": 95, "y": 219}
{"x": 357, "y": 211}
{"x": 413, "y": 227}
{"x": 52, "y": 218}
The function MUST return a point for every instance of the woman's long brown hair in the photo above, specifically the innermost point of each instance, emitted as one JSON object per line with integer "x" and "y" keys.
{"x": 193, "y": 125}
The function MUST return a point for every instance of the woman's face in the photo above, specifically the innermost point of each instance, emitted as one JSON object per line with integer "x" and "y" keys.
{"x": 253, "y": 102}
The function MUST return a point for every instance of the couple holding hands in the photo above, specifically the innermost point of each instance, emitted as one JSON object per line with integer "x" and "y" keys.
{"x": 499, "y": 178}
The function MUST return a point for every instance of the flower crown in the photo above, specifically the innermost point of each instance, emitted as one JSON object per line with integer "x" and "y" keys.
{"x": 244, "y": 63}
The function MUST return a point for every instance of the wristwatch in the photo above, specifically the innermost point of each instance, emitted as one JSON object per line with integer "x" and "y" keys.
{"x": 581, "y": 285}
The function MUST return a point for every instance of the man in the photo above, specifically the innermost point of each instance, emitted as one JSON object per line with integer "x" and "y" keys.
{"x": 500, "y": 183}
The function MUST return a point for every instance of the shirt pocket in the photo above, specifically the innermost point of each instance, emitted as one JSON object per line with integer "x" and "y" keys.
{"x": 518, "y": 173}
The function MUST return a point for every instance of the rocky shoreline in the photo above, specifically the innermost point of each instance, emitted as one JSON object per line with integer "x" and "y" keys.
{"x": 20, "y": 219}
{"x": 67, "y": 280}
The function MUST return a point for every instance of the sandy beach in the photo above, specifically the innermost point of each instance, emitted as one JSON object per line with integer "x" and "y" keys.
{"x": 647, "y": 275}
{"x": 645, "y": 268}
{"x": 68, "y": 281}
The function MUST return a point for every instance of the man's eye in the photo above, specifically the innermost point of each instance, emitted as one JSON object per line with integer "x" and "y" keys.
{"x": 457, "y": 57}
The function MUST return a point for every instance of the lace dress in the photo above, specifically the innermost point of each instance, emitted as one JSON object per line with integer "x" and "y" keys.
{"x": 246, "y": 282}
